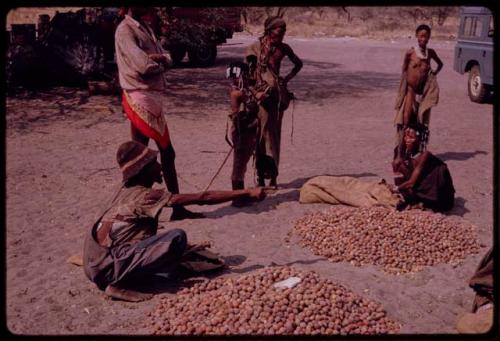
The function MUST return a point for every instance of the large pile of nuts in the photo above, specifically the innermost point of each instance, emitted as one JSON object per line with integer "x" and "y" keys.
{"x": 252, "y": 304}
{"x": 399, "y": 242}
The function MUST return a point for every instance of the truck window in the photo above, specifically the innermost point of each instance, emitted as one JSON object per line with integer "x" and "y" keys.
{"x": 472, "y": 27}
{"x": 490, "y": 29}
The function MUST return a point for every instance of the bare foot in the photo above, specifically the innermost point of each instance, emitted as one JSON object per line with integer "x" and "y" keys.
{"x": 126, "y": 294}
{"x": 180, "y": 213}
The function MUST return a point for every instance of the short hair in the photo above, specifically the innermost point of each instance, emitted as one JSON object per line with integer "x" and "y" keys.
{"x": 423, "y": 27}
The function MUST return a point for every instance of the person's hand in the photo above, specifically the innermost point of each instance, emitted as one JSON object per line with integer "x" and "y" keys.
{"x": 396, "y": 164}
{"x": 406, "y": 186}
{"x": 257, "y": 193}
{"x": 159, "y": 58}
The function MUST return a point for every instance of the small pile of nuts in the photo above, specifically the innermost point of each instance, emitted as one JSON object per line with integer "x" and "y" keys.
{"x": 399, "y": 242}
{"x": 251, "y": 304}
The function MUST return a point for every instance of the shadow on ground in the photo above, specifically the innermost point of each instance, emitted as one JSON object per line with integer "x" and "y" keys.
{"x": 317, "y": 82}
{"x": 195, "y": 88}
{"x": 25, "y": 113}
{"x": 460, "y": 156}
{"x": 459, "y": 208}
{"x": 273, "y": 201}
{"x": 180, "y": 279}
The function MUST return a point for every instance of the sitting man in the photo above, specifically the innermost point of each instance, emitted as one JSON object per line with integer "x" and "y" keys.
{"x": 481, "y": 318}
{"x": 426, "y": 179}
{"x": 123, "y": 245}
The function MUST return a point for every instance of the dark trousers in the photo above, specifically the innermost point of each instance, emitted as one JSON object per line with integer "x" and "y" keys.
{"x": 159, "y": 253}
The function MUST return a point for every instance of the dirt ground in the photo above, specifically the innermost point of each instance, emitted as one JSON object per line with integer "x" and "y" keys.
{"x": 61, "y": 170}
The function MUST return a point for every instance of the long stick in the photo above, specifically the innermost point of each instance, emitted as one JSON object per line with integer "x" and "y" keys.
{"x": 218, "y": 171}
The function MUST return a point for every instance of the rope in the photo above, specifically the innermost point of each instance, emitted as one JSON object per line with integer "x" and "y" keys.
{"x": 189, "y": 183}
{"x": 218, "y": 171}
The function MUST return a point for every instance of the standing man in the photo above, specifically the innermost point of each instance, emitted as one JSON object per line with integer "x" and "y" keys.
{"x": 142, "y": 63}
{"x": 264, "y": 58}
{"x": 123, "y": 247}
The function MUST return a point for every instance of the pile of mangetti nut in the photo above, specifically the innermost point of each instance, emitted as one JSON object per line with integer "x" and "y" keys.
{"x": 399, "y": 242}
{"x": 270, "y": 301}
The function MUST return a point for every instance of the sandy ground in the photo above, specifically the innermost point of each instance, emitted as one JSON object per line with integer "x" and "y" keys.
{"x": 61, "y": 170}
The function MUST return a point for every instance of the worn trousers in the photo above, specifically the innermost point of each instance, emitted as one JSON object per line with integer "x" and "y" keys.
{"x": 158, "y": 253}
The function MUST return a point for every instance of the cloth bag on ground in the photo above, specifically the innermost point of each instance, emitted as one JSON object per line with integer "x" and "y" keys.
{"x": 348, "y": 191}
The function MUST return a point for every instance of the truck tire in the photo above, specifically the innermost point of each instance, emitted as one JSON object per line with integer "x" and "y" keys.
{"x": 177, "y": 55}
{"x": 478, "y": 92}
{"x": 203, "y": 56}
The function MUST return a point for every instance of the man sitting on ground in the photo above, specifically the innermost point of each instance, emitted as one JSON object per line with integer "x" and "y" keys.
{"x": 123, "y": 245}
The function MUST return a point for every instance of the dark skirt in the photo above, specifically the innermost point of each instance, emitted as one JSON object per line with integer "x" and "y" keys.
{"x": 435, "y": 188}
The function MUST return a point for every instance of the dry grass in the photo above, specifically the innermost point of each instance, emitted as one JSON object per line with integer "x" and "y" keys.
{"x": 367, "y": 22}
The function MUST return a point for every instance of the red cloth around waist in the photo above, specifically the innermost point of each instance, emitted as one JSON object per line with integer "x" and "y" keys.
{"x": 143, "y": 127}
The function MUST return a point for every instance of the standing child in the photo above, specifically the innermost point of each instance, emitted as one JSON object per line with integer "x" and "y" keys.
{"x": 244, "y": 124}
{"x": 418, "y": 90}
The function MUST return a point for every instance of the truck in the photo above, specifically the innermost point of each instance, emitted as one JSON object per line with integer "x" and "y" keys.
{"x": 196, "y": 31}
{"x": 73, "y": 48}
{"x": 474, "y": 52}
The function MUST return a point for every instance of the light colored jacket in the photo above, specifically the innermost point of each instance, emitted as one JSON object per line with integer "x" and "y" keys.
{"x": 136, "y": 70}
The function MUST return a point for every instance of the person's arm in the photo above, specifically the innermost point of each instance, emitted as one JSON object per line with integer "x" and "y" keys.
{"x": 251, "y": 57}
{"x": 164, "y": 58}
{"x": 216, "y": 197}
{"x": 406, "y": 60}
{"x": 134, "y": 57}
{"x": 236, "y": 100}
{"x": 438, "y": 61}
{"x": 296, "y": 62}
{"x": 415, "y": 175}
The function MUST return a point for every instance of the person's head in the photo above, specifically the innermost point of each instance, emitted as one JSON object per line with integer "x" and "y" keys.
{"x": 138, "y": 164}
{"x": 423, "y": 34}
{"x": 122, "y": 11}
{"x": 237, "y": 71}
{"x": 149, "y": 15}
{"x": 411, "y": 139}
{"x": 275, "y": 28}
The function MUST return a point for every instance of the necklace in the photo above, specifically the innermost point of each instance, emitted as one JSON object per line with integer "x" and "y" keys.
{"x": 421, "y": 53}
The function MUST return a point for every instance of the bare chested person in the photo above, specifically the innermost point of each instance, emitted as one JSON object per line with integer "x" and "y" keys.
{"x": 265, "y": 57}
{"x": 416, "y": 70}
{"x": 417, "y": 64}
